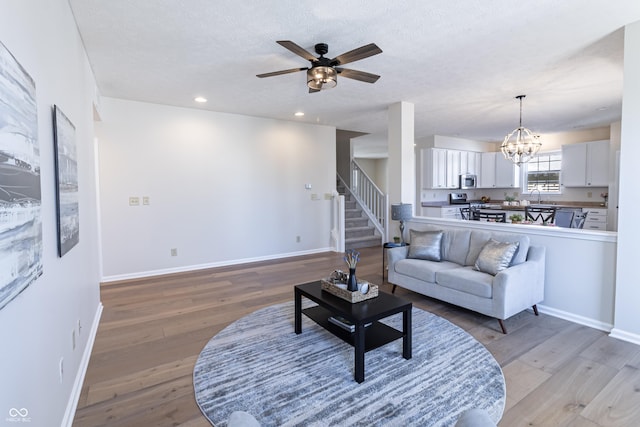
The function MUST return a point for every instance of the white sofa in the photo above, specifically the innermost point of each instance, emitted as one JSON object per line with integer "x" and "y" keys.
{"x": 455, "y": 278}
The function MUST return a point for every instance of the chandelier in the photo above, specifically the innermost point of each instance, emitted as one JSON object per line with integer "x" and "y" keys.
{"x": 521, "y": 145}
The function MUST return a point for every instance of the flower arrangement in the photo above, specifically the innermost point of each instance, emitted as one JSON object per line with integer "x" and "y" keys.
{"x": 351, "y": 257}
{"x": 516, "y": 218}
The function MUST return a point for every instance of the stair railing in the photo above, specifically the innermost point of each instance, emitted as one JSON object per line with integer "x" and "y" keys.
{"x": 374, "y": 202}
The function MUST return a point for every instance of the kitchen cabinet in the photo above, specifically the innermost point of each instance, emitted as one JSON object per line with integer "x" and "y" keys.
{"x": 451, "y": 212}
{"x": 469, "y": 162}
{"x": 585, "y": 164}
{"x": 440, "y": 168}
{"x": 434, "y": 168}
{"x": 453, "y": 169}
{"x": 497, "y": 172}
{"x": 596, "y": 219}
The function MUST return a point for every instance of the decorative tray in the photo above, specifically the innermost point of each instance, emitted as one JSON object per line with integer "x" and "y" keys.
{"x": 340, "y": 290}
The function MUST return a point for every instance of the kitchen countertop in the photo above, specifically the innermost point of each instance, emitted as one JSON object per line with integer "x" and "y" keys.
{"x": 497, "y": 205}
{"x": 436, "y": 204}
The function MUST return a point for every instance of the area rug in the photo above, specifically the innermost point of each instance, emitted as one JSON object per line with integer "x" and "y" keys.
{"x": 259, "y": 365}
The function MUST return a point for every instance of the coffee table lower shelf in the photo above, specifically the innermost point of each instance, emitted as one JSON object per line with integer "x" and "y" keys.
{"x": 376, "y": 335}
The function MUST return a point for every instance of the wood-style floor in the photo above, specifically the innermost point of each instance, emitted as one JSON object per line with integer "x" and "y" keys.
{"x": 140, "y": 374}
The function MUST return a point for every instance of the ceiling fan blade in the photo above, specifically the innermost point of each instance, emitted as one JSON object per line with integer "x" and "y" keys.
{"x": 356, "y": 54}
{"x": 358, "y": 75}
{"x": 297, "y": 50}
{"x": 277, "y": 73}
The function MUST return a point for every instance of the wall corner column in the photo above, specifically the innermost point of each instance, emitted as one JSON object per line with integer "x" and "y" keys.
{"x": 401, "y": 167}
{"x": 627, "y": 291}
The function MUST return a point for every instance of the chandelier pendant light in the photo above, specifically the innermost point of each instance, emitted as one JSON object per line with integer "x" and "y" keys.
{"x": 521, "y": 145}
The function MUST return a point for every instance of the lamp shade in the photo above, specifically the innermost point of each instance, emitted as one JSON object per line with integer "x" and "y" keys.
{"x": 401, "y": 211}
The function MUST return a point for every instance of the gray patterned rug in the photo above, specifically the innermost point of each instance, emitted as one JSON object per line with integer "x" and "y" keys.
{"x": 259, "y": 365}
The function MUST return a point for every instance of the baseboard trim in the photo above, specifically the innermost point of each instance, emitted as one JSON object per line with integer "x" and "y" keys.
{"x": 184, "y": 269}
{"x": 72, "y": 405}
{"x": 625, "y": 336}
{"x": 586, "y": 321}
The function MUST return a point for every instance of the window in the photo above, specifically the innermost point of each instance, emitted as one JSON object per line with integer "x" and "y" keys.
{"x": 543, "y": 173}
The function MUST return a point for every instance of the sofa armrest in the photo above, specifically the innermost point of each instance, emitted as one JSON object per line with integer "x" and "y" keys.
{"x": 520, "y": 286}
{"x": 396, "y": 254}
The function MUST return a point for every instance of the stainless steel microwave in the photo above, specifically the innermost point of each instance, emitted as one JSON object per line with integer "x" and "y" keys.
{"x": 468, "y": 181}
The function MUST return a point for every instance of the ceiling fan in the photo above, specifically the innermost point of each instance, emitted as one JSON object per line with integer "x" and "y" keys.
{"x": 323, "y": 72}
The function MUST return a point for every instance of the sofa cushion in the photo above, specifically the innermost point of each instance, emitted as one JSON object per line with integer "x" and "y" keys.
{"x": 455, "y": 243}
{"x": 479, "y": 238}
{"x": 495, "y": 256}
{"x": 467, "y": 280}
{"x": 425, "y": 245}
{"x": 421, "y": 269}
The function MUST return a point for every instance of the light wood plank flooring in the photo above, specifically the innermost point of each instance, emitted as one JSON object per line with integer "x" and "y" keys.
{"x": 140, "y": 374}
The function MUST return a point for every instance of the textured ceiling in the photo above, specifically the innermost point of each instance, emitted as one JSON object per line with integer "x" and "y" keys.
{"x": 460, "y": 62}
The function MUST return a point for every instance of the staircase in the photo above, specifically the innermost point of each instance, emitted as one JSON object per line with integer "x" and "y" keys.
{"x": 359, "y": 232}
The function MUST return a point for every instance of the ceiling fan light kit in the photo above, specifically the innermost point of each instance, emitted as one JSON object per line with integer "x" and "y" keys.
{"x": 322, "y": 77}
{"x": 323, "y": 73}
{"x": 521, "y": 145}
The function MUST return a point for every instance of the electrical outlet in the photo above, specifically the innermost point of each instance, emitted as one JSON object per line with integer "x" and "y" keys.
{"x": 315, "y": 196}
{"x": 73, "y": 339}
{"x": 61, "y": 365}
{"x": 174, "y": 252}
{"x": 589, "y": 194}
{"x": 298, "y": 239}
{"x": 134, "y": 201}
{"x": 328, "y": 196}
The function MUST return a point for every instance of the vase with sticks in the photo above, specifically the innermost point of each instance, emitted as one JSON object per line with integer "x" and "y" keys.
{"x": 352, "y": 257}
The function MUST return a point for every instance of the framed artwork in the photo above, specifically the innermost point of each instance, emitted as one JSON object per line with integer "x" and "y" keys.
{"x": 20, "y": 197}
{"x": 66, "y": 159}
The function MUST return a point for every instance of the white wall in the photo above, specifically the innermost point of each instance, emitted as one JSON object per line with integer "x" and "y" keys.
{"x": 223, "y": 188}
{"x": 376, "y": 169}
{"x": 36, "y": 327}
{"x": 627, "y": 289}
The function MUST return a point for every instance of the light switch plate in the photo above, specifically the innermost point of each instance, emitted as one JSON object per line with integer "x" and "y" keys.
{"x": 134, "y": 201}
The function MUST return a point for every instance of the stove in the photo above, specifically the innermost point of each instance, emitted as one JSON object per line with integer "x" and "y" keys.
{"x": 461, "y": 199}
{"x": 458, "y": 199}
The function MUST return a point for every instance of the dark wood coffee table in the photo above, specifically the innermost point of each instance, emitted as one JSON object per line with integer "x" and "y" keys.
{"x": 364, "y": 338}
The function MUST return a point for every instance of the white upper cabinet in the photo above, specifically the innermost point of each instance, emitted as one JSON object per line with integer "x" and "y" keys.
{"x": 441, "y": 168}
{"x": 507, "y": 173}
{"x": 497, "y": 172}
{"x": 487, "y": 175}
{"x": 469, "y": 162}
{"x": 434, "y": 168}
{"x": 453, "y": 169}
{"x": 585, "y": 164}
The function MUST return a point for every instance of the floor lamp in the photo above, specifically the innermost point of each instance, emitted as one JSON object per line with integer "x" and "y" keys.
{"x": 401, "y": 212}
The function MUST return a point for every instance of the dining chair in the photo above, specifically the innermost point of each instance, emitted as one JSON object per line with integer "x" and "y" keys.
{"x": 489, "y": 216}
{"x": 465, "y": 213}
{"x": 578, "y": 220}
{"x": 537, "y": 215}
{"x": 564, "y": 218}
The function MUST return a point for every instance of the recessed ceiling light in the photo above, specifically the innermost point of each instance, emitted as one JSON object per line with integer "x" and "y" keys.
{"x": 200, "y": 99}
{"x": 299, "y": 114}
